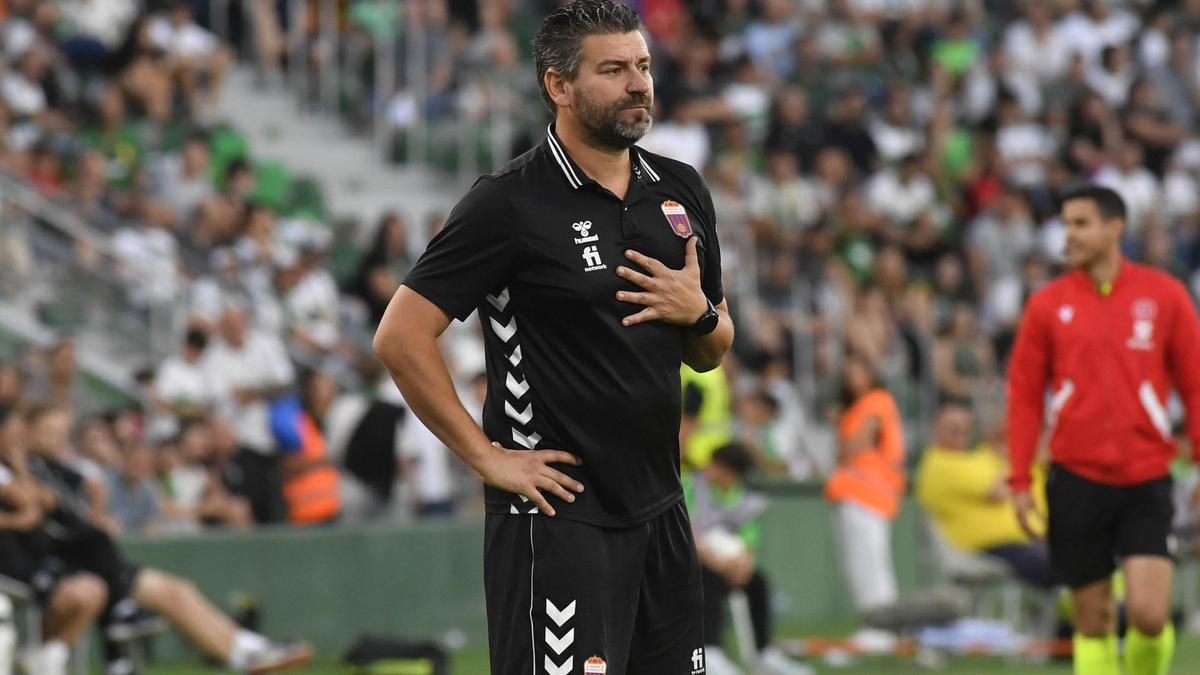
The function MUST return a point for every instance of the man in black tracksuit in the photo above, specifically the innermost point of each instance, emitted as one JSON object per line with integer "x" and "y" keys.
{"x": 595, "y": 269}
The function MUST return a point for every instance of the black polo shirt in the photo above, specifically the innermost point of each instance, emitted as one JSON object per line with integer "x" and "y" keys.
{"x": 534, "y": 248}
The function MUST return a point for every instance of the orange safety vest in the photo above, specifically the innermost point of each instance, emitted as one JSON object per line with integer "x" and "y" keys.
{"x": 874, "y": 477}
{"x": 311, "y": 485}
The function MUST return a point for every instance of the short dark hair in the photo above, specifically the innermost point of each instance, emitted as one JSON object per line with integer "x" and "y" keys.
{"x": 734, "y": 456}
{"x": 559, "y": 41}
{"x": 1106, "y": 200}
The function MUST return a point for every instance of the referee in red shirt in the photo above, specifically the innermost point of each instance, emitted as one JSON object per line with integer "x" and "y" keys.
{"x": 1096, "y": 356}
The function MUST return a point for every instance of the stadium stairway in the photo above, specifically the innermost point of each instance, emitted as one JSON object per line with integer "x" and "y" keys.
{"x": 353, "y": 176}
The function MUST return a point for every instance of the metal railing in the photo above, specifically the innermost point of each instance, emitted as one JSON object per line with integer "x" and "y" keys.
{"x": 75, "y": 282}
{"x": 406, "y": 120}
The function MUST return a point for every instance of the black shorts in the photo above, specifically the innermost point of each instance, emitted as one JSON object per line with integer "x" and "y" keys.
{"x": 1092, "y": 524}
{"x": 43, "y": 562}
{"x": 565, "y": 598}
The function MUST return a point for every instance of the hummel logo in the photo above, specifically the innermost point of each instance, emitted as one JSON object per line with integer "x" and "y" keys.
{"x": 591, "y": 258}
{"x": 582, "y": 227}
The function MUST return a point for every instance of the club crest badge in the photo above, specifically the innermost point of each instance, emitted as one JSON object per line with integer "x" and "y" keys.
{"x": 677, "y": 217}
{"x": 595, "y": 665}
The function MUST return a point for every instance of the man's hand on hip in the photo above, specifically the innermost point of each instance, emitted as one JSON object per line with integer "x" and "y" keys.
{"x": 1031, "y": 520}
{"x": 672, "y": 296}
{"x": 528, "y": 473}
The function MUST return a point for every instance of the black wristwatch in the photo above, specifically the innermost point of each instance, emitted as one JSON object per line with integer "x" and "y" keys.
{"x": 707, "y": 322}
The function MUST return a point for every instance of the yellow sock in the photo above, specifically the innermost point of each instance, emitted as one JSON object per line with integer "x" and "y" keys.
{"x": 1149, "y": 655}
{"x": 1096, "y": 656}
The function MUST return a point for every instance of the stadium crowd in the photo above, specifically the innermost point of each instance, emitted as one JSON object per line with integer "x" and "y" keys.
{"x": 885, "y": 174}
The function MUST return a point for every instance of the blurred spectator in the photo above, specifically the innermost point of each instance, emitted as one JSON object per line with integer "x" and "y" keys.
{"x": 60, "y": 382}
{"x": 72, "y": 601}
{"x": 250, "y": 369}
{"x": 133, "y": 496}
{"x": 902, "y": 193}
{"x": 707, "y": 415}
{"x": 963, "y": 360}
{"x": 241, "y": 477}
{"x": 965, "y": 491}
{"x": 999, "y": 238}
{"x": 426, "y": 463}
{"x": 758, "y": 430}
{"x": 11, "y": 384}
{"x": 311, "y": 483}
{"x": 184, "y": 180}
{"x": 784, "y": 206}
{"x": 867, "y": 485}
{"x": 384, "y": 265}
{"x": 726, "y": 520}
{"x": 195, "y": 56}
{"x": 116, "y": 138}
{"x": 49, "y": 436}
{"x": 148, "y": 255}
{"x": 183, "y": 386}
{"x": 1136, "y": 184}
{"x": 311, "y": 306}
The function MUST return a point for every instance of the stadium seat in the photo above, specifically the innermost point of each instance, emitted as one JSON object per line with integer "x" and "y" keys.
{"x": 977, "y": 574}
{"x": 272, "y": 184}
{"x": 225, "y": 145}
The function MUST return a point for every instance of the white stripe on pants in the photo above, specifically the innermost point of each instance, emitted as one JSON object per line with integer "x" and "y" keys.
{"x": 866, "y": 543}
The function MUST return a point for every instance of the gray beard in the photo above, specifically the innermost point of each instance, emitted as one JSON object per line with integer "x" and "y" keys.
{"x": 605, "y": 128}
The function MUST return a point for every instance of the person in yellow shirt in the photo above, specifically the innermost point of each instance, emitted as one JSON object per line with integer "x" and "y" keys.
{"x": 965, "y": 492}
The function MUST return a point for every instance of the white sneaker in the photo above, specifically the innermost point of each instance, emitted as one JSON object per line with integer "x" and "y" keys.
{"x": 277, "y": 657}
{"x": 717, "y": 662}
{"x": 772, "y": 661}
{"x": 46, "y": 660}
{"x": 874, "y": 641}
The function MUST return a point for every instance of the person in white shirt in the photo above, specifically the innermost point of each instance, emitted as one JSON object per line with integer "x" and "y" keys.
{"x": 183, "y": 386}
{"x": 250, "y": 369}
{"x": 148, "y": 259}
{"x": 1113, "y": 76}
{"x": 1136, "y": 184}
{"x": 1088, "y": 32}
{"x": 310, "y": 304}
{"x": 1033, "y": 46}
{"x": 1024, "y": 145}
{"x": 902, "y": 193}
{"x": 896, "y": 133}
{"x": 426, "y": 465}
{"x": 195, "y": 53}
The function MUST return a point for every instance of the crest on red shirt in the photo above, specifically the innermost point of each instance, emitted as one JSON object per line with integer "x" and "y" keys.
{"x": 1144, "y": 311}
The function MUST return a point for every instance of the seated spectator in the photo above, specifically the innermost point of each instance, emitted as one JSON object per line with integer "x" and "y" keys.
{"x": 116, "y": 137}
{"x": 73, "y": 541}
{"x": 757, "y": 427}
{"x": 726, "y": 523}
{"x": 963, "y": 359}
{"x": 383, "y": 266}
{"x": 49, "y": 437}
{"x": 183, "y": 387}
{"x": 196, "y": 57}
{"x": 70, "y": 601}
{"x": 183, "y": 180}
{"x": 250, "y": 369}
{"x": 964, "y": 490}
{"x": 238, "y": 472}
{"x": 148, "y": 261}
{"x": 134, "y": 500}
